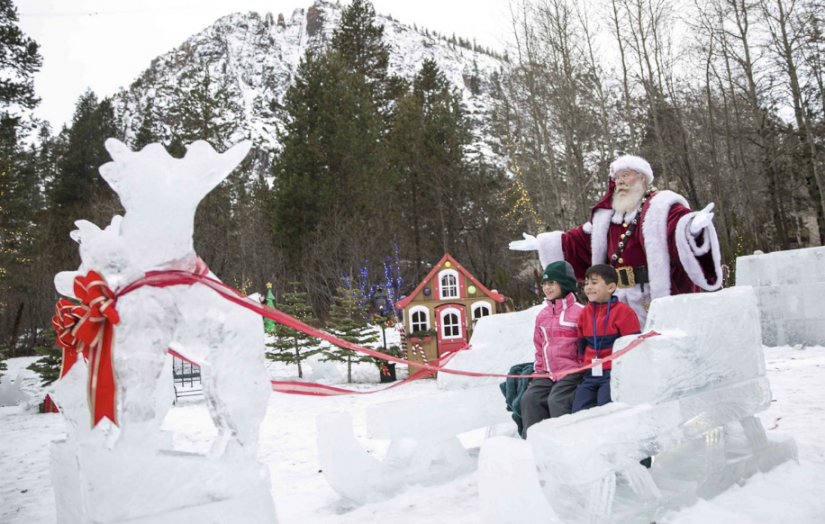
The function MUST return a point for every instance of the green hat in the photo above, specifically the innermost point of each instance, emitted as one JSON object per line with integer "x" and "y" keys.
{"x": 561, "y": 272}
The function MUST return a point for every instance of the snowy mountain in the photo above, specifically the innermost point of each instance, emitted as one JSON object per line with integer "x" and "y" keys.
{"x": 253, "y": 58}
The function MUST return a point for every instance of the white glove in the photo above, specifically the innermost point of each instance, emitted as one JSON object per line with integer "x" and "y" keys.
{"x": 528, "y": 244}
{"x": 701, "y": 220}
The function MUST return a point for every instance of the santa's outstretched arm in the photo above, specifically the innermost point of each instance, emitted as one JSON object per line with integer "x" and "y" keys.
{"x": 572, "y": 246}
{"x": 697, "y": 247}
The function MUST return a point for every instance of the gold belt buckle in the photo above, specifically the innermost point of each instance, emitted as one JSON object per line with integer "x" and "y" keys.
{"x": 629, "y": 276}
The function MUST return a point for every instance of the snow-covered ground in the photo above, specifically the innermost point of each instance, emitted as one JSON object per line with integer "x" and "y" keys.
{"x": 791, "y": 493}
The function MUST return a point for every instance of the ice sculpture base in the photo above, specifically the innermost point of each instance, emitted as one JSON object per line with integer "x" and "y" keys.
{"x": 136, "y": 486}
{"x": 677, "y": 492}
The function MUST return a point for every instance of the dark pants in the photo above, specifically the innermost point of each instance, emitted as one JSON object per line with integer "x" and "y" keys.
{"x": 547, "y": 399}
{"x": 592, "y": 392}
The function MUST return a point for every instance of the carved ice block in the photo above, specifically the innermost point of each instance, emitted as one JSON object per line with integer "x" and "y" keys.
{"x": 499, "y": 341}
{"x": 789, "y": 286}
{"x": 440, "y": 416}
{"x": 718, "y": 343}
{"x": 135, "y": 486}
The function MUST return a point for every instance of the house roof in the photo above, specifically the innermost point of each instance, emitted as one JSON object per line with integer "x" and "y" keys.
{"x": 401, "y": 304}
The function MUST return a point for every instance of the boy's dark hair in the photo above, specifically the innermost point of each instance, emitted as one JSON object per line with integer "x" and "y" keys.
{"x": 608, "y": 273}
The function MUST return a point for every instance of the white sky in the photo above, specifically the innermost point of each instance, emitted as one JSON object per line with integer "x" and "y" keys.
{"x": 106, "y": 44}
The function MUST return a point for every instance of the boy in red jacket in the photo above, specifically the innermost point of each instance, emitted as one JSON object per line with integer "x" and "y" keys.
{"x": 603, "y": 321}
{"x": 555, "y": 338}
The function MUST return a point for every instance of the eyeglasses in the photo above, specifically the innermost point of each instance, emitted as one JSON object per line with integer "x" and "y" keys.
{"x": 621, "y": 177}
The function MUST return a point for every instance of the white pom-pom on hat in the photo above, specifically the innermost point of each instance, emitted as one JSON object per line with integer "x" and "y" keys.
{"x": 636, "y": 163}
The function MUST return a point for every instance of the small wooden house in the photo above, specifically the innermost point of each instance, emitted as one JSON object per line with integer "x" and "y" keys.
{"x": 440, "y": 314}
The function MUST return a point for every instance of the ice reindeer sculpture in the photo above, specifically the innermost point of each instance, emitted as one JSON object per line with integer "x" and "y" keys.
{"x": 126, "y": 473}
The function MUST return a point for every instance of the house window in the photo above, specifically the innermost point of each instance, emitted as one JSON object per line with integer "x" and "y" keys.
{"x": 448, "y": 284}
{"x": 419, "y": 319}
{"x": 450, "y": 324}
{"x": 481, "y": 309}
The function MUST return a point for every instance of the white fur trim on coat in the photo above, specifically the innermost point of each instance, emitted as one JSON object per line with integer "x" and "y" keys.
{"x": 550, "y": 249}
{"x": 619, "y": 218}
{"x": 636, "y": 163}
{"x": 697, "y": 249}
{"x": 654, "y": 233}
{"x": 598, "y": 237}
{"x": 688, "y": 250}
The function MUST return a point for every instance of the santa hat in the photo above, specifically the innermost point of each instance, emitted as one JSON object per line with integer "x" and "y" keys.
{"x": 636, "y": 163}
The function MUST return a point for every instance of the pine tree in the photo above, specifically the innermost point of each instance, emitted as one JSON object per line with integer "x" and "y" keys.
{"x": 407, "y": 164}
{"x": 332, "y": 188}
{"x": 292, "y": 346}
{"x": 77, "y": 191}
{"x": 49, "y": 366}
{"x": 19, "y": 60}
{"x": 78, "y": 184}
{"x": 360, "y": 41}
{"x": 327, "y": 176}
{"x": 206, "y": 110}
{"x": 428, "y": 140}
{"x": 20, "y": 192}
{"x": 20, "y": 214}
{"x": 148, "y": 132}
{"x": 349, "y": 321}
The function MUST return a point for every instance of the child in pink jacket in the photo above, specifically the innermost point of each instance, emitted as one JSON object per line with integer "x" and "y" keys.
{"x": 556, "y": 341}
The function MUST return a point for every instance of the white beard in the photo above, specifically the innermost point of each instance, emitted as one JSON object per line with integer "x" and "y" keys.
{"x": 629, "y": 201}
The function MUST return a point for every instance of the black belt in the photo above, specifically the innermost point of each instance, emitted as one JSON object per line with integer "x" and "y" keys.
{"x": 630, "y": 276}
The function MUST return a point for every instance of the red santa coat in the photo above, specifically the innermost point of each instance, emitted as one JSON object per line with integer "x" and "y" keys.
{"x": 676, "y": 261}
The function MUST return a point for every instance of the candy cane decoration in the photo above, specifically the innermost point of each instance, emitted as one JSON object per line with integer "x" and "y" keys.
{"x": 403, "y": 341}
{"x": 416, "y": 348}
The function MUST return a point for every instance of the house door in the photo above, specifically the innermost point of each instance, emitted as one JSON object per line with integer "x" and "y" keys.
{"x": 451, "y": 327}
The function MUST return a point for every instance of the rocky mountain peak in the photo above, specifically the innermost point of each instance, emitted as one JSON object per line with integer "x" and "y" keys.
{"x": 252, "y": 60}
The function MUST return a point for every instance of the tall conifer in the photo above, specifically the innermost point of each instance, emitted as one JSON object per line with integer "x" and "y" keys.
{"x": 349, "y": 321}
{"x": 360, "y": 41}
{"x": 206, "y": 110}
{"x": 328, "y": 173}
{"x": 21, "y": 202}
{"x": 19, "y": 60}
{"x": 290, "y": 345}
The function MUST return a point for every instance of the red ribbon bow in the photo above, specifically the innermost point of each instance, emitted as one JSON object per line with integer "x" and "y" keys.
{"x": 66, "y": 316}
{"x": 88, "y": 328}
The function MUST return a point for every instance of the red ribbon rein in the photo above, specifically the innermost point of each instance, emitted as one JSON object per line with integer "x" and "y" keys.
{"x": 177, "y": 278}
{"x": 89, "y": 328}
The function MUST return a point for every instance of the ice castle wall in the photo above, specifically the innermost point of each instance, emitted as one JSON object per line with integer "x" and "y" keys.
{"x": 790, "y": 289}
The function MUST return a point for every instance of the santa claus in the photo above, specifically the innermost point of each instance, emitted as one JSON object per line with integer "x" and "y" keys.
{"x": 658, "y": 246}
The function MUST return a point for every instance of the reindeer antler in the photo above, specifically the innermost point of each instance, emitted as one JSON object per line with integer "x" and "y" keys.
{"x": 142, "y": 178}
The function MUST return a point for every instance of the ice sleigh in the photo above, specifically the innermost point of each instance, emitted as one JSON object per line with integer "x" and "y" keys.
{"x": 423, "y": 431}
{"x": 687, "y": 397}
